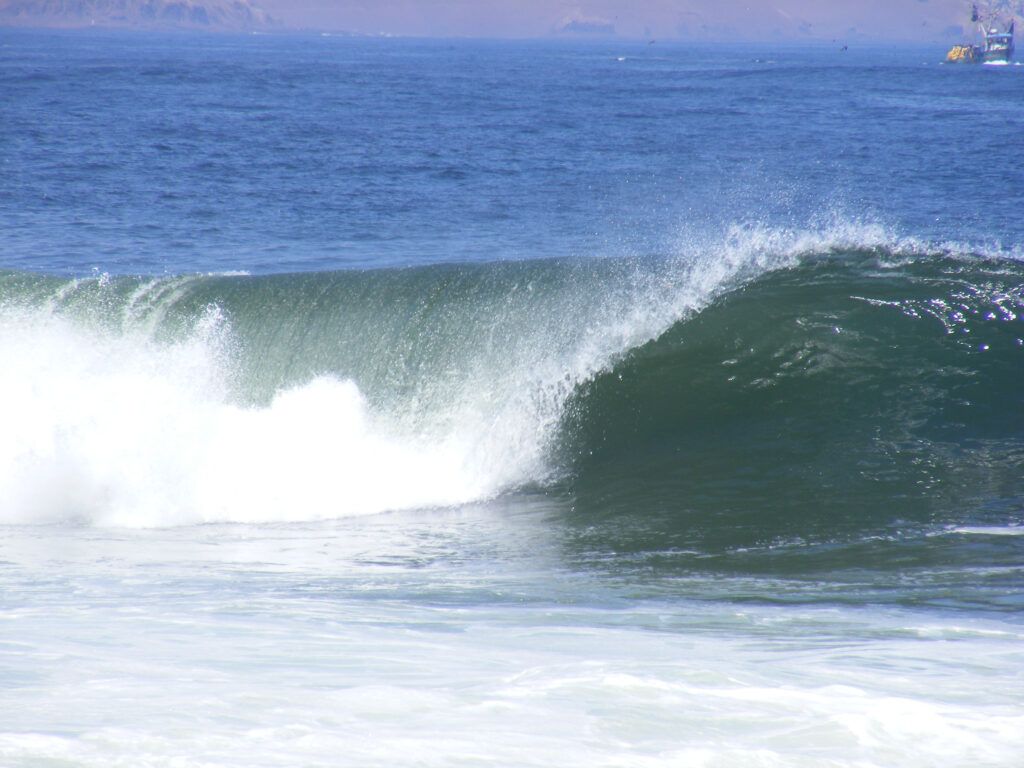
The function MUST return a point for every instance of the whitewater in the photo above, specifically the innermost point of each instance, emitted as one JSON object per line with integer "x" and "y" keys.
{"x": 430, "y": 403}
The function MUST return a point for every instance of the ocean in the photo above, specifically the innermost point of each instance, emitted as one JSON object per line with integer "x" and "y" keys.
{"x": 391, "y": 402}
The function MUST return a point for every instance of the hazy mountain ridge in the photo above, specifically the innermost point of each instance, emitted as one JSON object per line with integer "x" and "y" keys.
{"x": 931, "y": 21}
{"x": 143, "y": 14}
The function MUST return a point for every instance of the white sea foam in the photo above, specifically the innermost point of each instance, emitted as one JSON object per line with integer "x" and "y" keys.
{"x": 121, "y": 430}
{"x": 358, "y": 643}
{"x": 988, "y": 530}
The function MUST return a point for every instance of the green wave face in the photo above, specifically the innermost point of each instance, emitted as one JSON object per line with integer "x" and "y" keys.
{"x": 849, "y": 395}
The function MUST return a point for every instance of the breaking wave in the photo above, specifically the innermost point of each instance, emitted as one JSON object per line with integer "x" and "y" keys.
{"x": 767, "y": 365}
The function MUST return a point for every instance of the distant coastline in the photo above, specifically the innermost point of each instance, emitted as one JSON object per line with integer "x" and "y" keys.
{"x": 154, "y": 15}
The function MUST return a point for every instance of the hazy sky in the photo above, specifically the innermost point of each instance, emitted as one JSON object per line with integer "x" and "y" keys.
{"x": 924, "y": 20}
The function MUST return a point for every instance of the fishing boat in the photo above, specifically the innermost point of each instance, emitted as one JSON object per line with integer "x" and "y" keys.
{"x": 997, "y": 41}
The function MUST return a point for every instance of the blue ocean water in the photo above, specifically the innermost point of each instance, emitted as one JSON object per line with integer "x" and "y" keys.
{"x": 407, "y": 402}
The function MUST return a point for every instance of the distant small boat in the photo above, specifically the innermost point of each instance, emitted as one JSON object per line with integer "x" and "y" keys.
{"x": 997, "y": 41}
